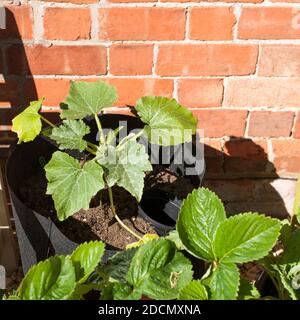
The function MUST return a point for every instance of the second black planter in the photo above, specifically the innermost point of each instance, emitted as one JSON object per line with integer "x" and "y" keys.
{"x": 38, "y": 236}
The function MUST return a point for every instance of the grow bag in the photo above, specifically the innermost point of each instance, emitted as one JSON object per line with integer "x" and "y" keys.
{"x": 38, "y": 236}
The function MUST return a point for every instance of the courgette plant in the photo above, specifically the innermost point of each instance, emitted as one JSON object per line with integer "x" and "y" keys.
{"x": 159, "y": 268}
{"x": 72, "y": 184}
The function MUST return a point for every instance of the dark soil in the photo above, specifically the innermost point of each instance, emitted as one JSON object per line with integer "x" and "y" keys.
{"x": 98, "y": 222}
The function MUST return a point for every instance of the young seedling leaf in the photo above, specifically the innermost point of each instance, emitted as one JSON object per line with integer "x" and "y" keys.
{"x": 52, "y": 279}
{"x": 199, "y": 218}
{"x": 88, "y": 98}
{"x": 224, "y": 282}
{"x": 247, "y": 290}
{"x": 168, "y": 123}
{"x": 70, "y": 135}
{"x": 158, "y": 271}
{"x": 71, "y": 185}
{"x": 146, "y": 238}
{"x": 195, "y": 290}
{"x": 246, "y": 237}
{"x": 85, "y": 259}
{"x": 28, "y": 123}
{"x": 126, "y": 167}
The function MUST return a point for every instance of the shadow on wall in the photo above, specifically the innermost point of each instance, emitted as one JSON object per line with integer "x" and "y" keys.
{"x": 15, "y": 74}
{"x": 243, "y": 177}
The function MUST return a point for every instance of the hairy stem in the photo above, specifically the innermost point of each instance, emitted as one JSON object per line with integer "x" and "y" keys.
{"x": 111, "y": 200}
{"x": 101, "y": 138}
{"x": 48, "y": 122}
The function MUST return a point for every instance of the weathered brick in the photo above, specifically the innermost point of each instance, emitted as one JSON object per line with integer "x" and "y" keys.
{"x": 268, "y": 23}
{"x": 195, "y": 93}
{"x": 280, "y": 60}
{"x": 67, "y": 23}
{"x": 66, "y": 60}
{"x": 270, "y": 124}
{"x": 131, "y": 59}
{"x": 259, "y": 92}
{"x": 213, "y": 156}
{"x": 142, "y": 23}
{"x": 286, "y": 155}
{"x": 220, "y": 123}
{"x": 246, "y": 156}
{"x": 211, "y": 23}
{"x": 18, "y": 22}
{"x": 206, "y": 60}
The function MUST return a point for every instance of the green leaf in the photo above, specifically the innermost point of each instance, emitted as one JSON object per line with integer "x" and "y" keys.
{"x": 246, "y": 237}
{"x": 70, "y": 135}
{"x": 296, "y": 206}
{"x": 85, "y": 259}
{"x": 123, "y": 291}
{"x": 174, "y": 237}
{"x": 224, "y": 282}
{"x": 195, "y": 290}
{"x": 291, "y": 252}
{"x": 72, "y": 186}
{"x": 158, "y": 271}
{"x": 199, "y": 218}
{"x": 28, "y": 123}
{"x": 146, "y": 238}
{"x": 168, "y": 123}
{"x": 247, "y": 290}
{"x": 118, "y": 265}
{"x": 88, "y": 98}
{"x": 126, "y": 166}
{"x": 52, "y": 279}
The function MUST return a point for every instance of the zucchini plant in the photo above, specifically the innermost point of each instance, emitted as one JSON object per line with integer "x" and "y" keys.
{"x": 73, "y": 184}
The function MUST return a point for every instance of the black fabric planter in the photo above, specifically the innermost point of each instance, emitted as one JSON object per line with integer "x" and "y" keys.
{"x": 38, "y": 236}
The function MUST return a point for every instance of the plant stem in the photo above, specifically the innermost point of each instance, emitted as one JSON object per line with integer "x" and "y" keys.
{"x": 111, "y": 200}
{"x": 101, "y": 138}
{"x": 48, "y": 122}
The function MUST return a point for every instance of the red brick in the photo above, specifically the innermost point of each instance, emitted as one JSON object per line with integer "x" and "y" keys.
{"x": 211, "y": 23}
{"x": 142, "y": 23}
{"x": 195, "y": 93}
{"x": 232, "y": 1}
{"x": 67, "y": 23}
{"x": 131, "y": 1}
{"x": 268, "y": 23}
{"x": 66, "y": 60}
{"x": 296, "y": 131}
{"x": 213, "y": 156}
{"x": 131, "y": 89}
{"x": 10, "y": 93}
{"x": 220, "y": 123}
{"x": 74, "y": 1}
{"x": 286, "y": 155}
{"x": 245, "y": 156}
{"x": 205, "y": 60}
{"x": 269, "y": 92}
{"x": 270, "y": 124}
{"x": 131, "y": 59}
{"x": 280, "y": 60}
{"x": 18, "y": 22}
{"x": 54, "y": 90}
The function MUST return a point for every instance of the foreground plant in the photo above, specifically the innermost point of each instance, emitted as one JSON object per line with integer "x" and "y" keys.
{"x": 71, "y": 183}
{"x": 160, "y": 268}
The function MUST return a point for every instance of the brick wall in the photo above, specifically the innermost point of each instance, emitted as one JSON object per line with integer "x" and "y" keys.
{"x": 235, "y": 63}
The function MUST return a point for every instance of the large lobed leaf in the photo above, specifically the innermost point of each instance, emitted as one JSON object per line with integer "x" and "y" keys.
{"x": 246, "y": 237}
{"x": 53, "y": 279}
{"x": 168, "y": 123}
{"x": 70, "y": 135}
{"x": 199, "y": 218}
{"x": 126, "y": 166}
{"x": 72, "y": 186}
{"x": 28, "y": 123}
{"x": 88, "y": 98}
